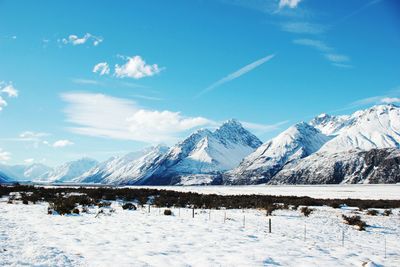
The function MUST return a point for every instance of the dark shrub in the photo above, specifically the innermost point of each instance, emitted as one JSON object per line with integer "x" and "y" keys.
{"x": 129, "y": 206}
{"x": 75, "y": 211}
{"x": 335, "y": 205}
{"x": 355, "y": 220}
{"x": 387, "y": 212}
{"x": 85, "y": 209}
{"x": 25, "y": 202}
{"x": 306, "y": 211}
{"x": 271, "y": 208}
{"x": 167, "y": 212}
{"x": 372, "y": 212}
{"x": 63, "y": 205}
{"x": 102, "y": 204}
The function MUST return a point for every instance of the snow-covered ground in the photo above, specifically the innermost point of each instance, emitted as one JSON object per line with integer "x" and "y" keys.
{"x": 361, "y": 191}
{"x": 30, "y": 237}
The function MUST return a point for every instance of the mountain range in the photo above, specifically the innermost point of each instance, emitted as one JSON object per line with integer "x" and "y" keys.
{"x": 359, "y": 148}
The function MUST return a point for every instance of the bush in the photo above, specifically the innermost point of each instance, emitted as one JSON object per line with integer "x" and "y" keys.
{"x": 355, "y": 220}
{"x": 167, "y": 212}
{"x": 306, "y": 211}
{"x": 75, "y": 211}
{"x": 25, "y": 202}
{"x": 387, "y": 212}
{"x": 129, "y": 206}
{"x": 270, "y": 209}
{"x": 102, "y": 204}
{"x": 372, "y": 212}
{"x": 63, "y": 205}
{"x": 335, "y": 205}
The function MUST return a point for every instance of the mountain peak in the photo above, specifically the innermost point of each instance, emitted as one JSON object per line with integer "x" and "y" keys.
{"x": 233, "y": 131}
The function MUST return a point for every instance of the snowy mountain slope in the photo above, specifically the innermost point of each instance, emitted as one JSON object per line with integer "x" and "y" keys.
{"x": 127, "y": 169}
{"x": 67, "y": 171}
{"x": 4, "y": 178}
{"x": 376, "y": 127}
{"x": 331, "y": 125}
{"x": 204, "y": 153}
{"x": 24, "y": 172}
{"x": 296, "y": 142}
{"x": 373, "y": 166}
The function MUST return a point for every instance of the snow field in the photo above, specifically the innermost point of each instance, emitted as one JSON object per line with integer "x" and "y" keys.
{"x": 28, "y": 236}
{"x": 360, "y": 191}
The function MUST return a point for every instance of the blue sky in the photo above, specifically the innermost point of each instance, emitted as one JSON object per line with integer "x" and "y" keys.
{"x": 102, "y": 78}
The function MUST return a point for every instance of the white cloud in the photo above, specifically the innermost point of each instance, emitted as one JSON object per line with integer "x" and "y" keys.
{"x": 4, "y": 155}
{"x": 124, "y": 119}
{"x": 62, "y": 143}
{"x": 337, "y": 58}
{"x": 237, "y": 73}
{"x": 3, "y": 103}
{"x": 10, "y": 90}
{"x": 289, "y": 3}
{"x": 302, "y": 27}
{"x": 75, "y": 40}
{"x": 29, "y": 161}
{"x": 316, "y": 44}
{"x": 390, "y": 100}
{"x": 102, "y": 68}
{"x": 136, "y": 68}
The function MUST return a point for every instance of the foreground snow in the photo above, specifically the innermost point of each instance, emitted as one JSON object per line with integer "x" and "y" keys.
{"x": 28, "y": 236}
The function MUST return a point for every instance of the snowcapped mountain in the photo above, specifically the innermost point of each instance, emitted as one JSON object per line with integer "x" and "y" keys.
{"x": 67, "y": 171}
{"x": 127, "y": 169}
{"x": 376, "y": 127}
{"x": 204, "y": 155}
{"x": 3, "y": 178}
{"x": 329, "y": 149}
{"x": 24, "y": 172}
{"x": 373, "y": 166}
{"x": 199, "y": 159}
{"x": 295, "y": 143}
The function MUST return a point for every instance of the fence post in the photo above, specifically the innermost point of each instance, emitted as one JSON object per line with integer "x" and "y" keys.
{"x": 269, "y": 223}
{"x": 225, "y": 217}
{"x": 305, "y": 232}
{"x": 342, "y": 237}
{"x": 385, "y": 247}
{"x": 149, "y": 208}
{"x": 193, "y": 212}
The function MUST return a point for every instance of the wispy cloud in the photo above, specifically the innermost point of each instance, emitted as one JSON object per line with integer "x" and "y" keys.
{"x": 237, "y": 73}
{"x": 302, "y": 27}
{"x": 260, "y": 129}
{"x": 147, "y": 97}
{"x": 391, "y": 97}
{"x": 102, "y": 68}
{"x": 355, "y": 12}
{"x": 86, "y": 81}
{"x": 75, "y": 40}
{"x": 125, "y": 119}
{"x": 337, "y": 60}
{"x": 316, "y": 44}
